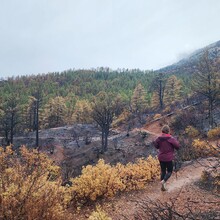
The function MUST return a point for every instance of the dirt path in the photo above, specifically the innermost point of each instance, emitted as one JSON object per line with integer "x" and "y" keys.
{"x": 153, "y": 128}
{"x": 126, "y": 206}
{"x": 183, "y": 188}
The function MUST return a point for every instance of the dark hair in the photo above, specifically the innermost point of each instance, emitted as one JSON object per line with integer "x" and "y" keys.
{"x": 165, "y": 129}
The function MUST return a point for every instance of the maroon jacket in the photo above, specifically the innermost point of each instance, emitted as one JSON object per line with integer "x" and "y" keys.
{"x": 166, "y": 145}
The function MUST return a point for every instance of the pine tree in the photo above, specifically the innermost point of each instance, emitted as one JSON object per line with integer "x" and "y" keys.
{"x": 71, "y": 100}
{"x": 158, "y": 86}
{"x": 82, "y": 112}
{"x": 138, "y": 101}
{"x": 55, "y": 112}
{"x": 172, "y": 90}
{"x": 207, "y": 82}
{"x": 103, "y": 110}
{"x": 10, "y": 115}
{"x": 155, "y": 101}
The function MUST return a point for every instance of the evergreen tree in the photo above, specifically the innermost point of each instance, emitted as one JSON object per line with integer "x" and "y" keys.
{"x": 158, "y": 86}
{"x": 82, "y": 112}
{"x": 155, "y": 101}
{"x": 103, "y": 110}
{"x": 9, "y": 118}
{"x": 138, "y": 99}
{"x": 139, "y": 102}
{"x": 207, "y": 82}
{"x": 172, "y": 90}
{"x": 55, "y": 112}
{"x": 71, "y": 100}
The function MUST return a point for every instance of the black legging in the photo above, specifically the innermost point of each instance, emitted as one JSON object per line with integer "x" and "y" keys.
{"x": 166, "y": 170}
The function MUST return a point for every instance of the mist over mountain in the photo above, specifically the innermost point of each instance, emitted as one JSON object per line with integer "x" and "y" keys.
{"x": 188, "y": 64}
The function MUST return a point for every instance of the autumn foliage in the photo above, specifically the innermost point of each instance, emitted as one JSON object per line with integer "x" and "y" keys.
{"x": 99, "y": 214}
{"x": 214, "y": 133}
{"x": 30, "y": 186}
{"x": 104, "y": 180}
{"x": 191, "y": 131}
{"x": 203, "y": 148}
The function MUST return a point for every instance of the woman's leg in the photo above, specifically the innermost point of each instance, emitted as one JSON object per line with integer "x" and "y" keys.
{"x": 169, "y": 168}
{"x": 163, "y": 170}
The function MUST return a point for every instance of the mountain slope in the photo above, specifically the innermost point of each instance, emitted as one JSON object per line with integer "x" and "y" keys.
{"x": 188, "y": 64}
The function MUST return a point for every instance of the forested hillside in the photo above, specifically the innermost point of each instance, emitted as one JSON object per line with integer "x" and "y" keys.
{"x": 57, "y": 99}
{"x": 109, "y": 98}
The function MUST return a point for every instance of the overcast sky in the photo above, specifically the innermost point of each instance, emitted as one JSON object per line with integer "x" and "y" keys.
{"x": 41, "y": 36}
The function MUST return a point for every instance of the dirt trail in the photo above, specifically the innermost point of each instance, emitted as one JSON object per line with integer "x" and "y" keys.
{"x": 127, "y": 205}
{"x": 153, "y": 128}
{"x": 181, "y": 186}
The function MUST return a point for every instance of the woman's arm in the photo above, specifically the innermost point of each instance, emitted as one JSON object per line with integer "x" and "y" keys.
{"x": 156, "y": 144}
{"x": 175, "y": 143}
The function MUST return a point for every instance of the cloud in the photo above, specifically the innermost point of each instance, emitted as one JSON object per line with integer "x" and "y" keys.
{"x": 42, "y": 36}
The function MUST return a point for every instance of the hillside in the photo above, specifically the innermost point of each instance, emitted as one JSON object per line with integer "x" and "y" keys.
{"x": 189, "y": 63}
{"x": 72, "y": 152}
{"x": 71, "y": 115}
{"x": 188, "y": 197}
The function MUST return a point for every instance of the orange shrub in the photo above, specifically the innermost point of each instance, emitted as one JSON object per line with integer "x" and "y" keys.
{"x": 167, "y": 110}
{"x": 122, "y": 118}
{"x": 192, "y": 132}
{"x": 99, "y": 214}
{"x": 101, "y": 180}
{"x": 203, "y": 148}
{"x": 30, "y": 187}
{"x": 136, "y": 176}
{"x": 157, "y": 116}
{"x": 214, "y": 133}
{"x": 104, "y": 180}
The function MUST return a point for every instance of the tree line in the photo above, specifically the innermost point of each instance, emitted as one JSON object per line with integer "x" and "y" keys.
{"x": 103, "y": 96}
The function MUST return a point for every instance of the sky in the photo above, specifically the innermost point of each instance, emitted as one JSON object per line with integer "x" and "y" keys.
{"x": 41, "y": 36}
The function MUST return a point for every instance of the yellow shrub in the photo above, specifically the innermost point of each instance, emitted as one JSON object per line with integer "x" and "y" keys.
{"x": 97, "y": 181}
{"x": 167, "y": 110}
{"x": 203, "y": 148}
{"x": 214, "y": 133}
{"x": 26, "y": 191}
{"x": 104, "y": 180}
{"x": 192, "y": 132}
{"x": 122, "y": 118}
{"x": 135, "y": 176}
{"x": 99, "y": 214}
{"x": 157, "y": 116}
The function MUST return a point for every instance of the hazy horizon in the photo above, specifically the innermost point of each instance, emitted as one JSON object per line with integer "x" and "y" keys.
{"x": 48, "y": 36}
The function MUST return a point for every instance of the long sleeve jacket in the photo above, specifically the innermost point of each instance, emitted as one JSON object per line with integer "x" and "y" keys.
{"x": 166, "y": 145}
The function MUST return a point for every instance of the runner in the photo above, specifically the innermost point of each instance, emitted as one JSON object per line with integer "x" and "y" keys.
{"x": 166, "y": 144}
